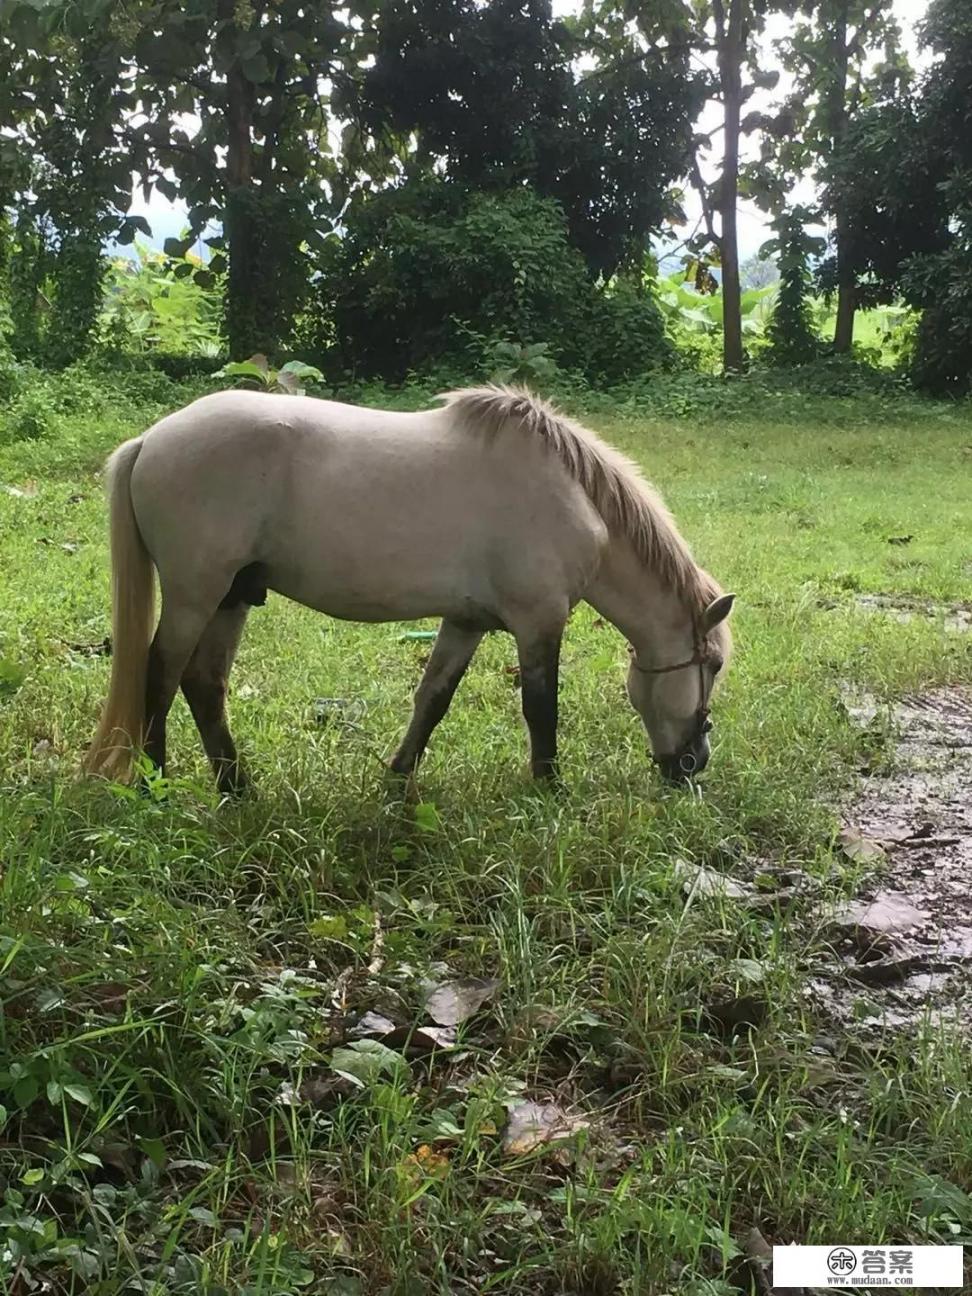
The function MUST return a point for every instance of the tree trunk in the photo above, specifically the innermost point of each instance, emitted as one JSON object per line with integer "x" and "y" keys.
{"x": 240, "y": 226}
{"x": 846, "y": 294}
{"x": 730, "y": 37}
{"x": 837, "y": 115}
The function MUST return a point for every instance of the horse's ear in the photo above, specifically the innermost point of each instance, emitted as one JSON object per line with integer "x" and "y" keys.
{"x": 717, "y": 611}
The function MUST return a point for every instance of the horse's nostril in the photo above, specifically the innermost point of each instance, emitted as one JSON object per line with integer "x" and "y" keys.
{"x": 706, "y": 726}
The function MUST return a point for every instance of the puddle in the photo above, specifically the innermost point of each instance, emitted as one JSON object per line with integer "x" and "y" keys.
{"x": 905, "y": 943}
{"x": 954, "y": 616}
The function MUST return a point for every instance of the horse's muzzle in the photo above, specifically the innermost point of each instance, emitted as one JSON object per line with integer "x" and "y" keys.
{"x": 683, "y": 766}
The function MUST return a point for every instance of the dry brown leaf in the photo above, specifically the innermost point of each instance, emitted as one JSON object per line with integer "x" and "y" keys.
{"x": 860, "y": 849}
{"x": 453, "y": 1002}
{"x": 372, "y": 1024}
{"x": 426, "y": 1162}
{"x": 889, "y": 913}
{"x": 697, "y": 880}
{"x": 530, "y": 1125}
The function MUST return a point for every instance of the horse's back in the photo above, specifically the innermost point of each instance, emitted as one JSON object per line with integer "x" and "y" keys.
{"x": 340, "y": 502}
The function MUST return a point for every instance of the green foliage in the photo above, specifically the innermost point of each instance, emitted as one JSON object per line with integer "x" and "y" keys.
{"x": 491, "y": 95}
{"x": 424, "y": 266}
{"x": 902, "y": 177}
{"x": 791, "y": 336}
{"x": 941, "y": 285}
{"x": 268, "y": 272}
{"x": 693, "y": 317}
{"x": 78, "y": 272}
{"x": 531, "y": 365}
{"x": 687, "y": 310}
{"x": 150, "y": 305}
{"x": 840, "y": 391}
{"x": 68, "y": 170}
{"x": 260, "y": 165}
{"x": 289, "y": 378}
{"x": 31, "y": 416}
{"x": 26, "y": 273}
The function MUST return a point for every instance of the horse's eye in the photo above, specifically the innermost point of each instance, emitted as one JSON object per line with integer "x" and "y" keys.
{"x": 717, "y": 664}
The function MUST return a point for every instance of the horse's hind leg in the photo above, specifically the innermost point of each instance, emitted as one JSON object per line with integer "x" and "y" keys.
{"x": 451, "y": 654}
{"x": 204, "y": 685}
{"x": 180, "y": 628}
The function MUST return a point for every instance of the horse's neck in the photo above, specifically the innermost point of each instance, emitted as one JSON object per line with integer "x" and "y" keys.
{"x": 644, "y": 608}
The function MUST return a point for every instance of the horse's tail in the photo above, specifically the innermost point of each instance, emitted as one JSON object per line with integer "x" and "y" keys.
{"x": 120, "y": 729}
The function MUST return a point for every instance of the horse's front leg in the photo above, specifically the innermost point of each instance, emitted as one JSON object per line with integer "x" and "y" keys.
{"x": 451, "y": 654}
{"x": 539, "y": 671}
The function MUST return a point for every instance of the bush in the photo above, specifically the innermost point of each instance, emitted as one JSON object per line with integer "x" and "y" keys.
{"x": 31, "y": 417}
{"x": 940, "y": 285}
{"x": 428, "y": 273}
{"x": 10, "y": 373}
{"x": 842, "y": 390}
{"x": 791, "y": 335}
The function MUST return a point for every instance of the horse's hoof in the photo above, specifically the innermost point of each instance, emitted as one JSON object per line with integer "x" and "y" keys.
{"x": 551, "y": 784}
{"x": 237, "y": 792}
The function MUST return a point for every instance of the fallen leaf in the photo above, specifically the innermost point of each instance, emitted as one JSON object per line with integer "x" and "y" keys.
{"x": 860, "y": 849}
{"x": 422, "y": 1039}
{"x": 372, "y": 1023}
{"x": 697, "y": 880}
{"x": 900, "y": 540}
{"x": 453, "y": 1002}
{"x": 750, "y": 970}
{"x": 327, "y": 709}
{"x": 413, "y": 1039}
{"x": 425, "y": 1162}
{"x": 366, "y": 1061}
{"x": 887, "y": 914}
{"x": 530, "y": 1125}
{"x": 758, "y": 1257}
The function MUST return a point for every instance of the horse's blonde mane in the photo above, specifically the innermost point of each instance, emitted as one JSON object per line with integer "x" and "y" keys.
{"x": 628, "y": 504}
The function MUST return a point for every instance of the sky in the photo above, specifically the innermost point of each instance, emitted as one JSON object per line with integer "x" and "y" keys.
{"x": 167, "y": 219}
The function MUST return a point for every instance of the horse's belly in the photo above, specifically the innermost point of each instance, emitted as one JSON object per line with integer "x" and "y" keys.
{"x": 382, "y": 592}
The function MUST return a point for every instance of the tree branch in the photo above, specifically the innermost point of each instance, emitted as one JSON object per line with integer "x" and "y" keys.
{"x": 699, "y": 185}
{"x": 130, "y": 135}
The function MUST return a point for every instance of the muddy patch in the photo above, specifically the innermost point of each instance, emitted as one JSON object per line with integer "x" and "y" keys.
{"x": 953, "y": 616}
{"x": 905, "y": 944}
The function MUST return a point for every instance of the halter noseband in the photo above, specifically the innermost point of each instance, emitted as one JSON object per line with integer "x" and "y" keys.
{"x": 687, "y": 761}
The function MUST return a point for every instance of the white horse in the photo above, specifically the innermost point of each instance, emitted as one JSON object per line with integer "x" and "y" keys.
{"x": 492, "y": 512}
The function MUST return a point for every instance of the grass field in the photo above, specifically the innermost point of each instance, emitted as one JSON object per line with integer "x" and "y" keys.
{"x": 184, "y": 1111}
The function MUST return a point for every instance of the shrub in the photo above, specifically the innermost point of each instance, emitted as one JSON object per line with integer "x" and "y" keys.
{"x": 791, "y": 336}
{"x": 10, "y": 373}
{"x": 422, "y": 268}
{"x": 31, "y": 417}
{"x": 940, "y": 285}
